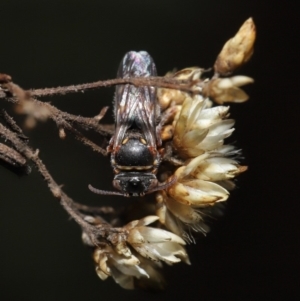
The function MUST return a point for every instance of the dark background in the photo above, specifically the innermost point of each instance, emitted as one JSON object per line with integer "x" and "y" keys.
{"x": 253, "y": 252}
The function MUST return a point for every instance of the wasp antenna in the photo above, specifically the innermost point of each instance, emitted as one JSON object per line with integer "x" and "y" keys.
{"x": 172, "y": 181}
{"x": 104, "y": 192}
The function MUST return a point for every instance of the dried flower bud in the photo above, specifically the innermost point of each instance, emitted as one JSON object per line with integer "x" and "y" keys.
{"x": 167, "y": 132}
{"x": 5, "y": 78}
{"x": 237, "y": 50}
{"x": 33, "y": 110}
{"x": 166, "y": 97}
{"x": 62, "y": 133}
{"x": 227, "y": 89}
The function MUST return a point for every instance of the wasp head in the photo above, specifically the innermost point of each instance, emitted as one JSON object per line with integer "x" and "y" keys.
{"x": 135, "y": 183}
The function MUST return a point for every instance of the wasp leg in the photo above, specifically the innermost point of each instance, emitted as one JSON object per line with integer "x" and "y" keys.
{"x": 168, "y": 155}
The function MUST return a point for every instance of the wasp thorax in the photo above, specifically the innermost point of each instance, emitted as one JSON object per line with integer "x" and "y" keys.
{"x": 134, "y": 154}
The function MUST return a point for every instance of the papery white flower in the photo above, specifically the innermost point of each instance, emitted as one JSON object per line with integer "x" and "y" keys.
{"x": 176, "y": 216}
{"x": 209, "y": 166}
{"x": 156, "y": 244}
{"x": 150, "y": 243}
{"x": 200, "y": 128}
{"x": 121, "y": 268}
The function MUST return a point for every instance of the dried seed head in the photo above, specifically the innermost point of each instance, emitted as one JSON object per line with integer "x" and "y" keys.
{"x": 168, "y": 97}
{"x": 237, "y": 50}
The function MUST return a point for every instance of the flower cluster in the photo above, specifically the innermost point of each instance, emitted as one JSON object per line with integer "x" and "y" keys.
{"x": 208, "y": 165}
{"x": 135, "y": 261}
{"x": 203, "y": 164}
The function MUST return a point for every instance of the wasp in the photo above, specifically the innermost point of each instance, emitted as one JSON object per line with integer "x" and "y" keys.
{"x": 136, "y": 147}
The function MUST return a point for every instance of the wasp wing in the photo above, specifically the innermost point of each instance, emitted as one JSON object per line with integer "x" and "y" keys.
{"x": 136, "y": 106}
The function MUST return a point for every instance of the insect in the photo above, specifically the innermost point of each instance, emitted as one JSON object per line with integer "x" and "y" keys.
{"x": 135, "y": 147}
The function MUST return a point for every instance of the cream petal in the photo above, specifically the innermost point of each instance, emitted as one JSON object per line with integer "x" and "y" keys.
{"x": 226, "y": 150}
{"x": 220, "y": 127}
{"x": 194, "y": 113}
{"x": 142, "y": 271}
{"x": 192, "y": 165}
{"x": 191, "y": 196}
{"x": 159, "y": 251}
{"x": 241, "y": 80}
{"x": 135, "y": 237}
{"x": 209, "y": 188}
{"x": 211, "y": 143}
{"x": 161, "y": 210}
{"x": 132, "y": 224}
{"x": 193, "y": 137}
{"x": 216, "y": 169}
{"x": 181, "y": 123}
{"x": 155, "y": 280}
{"x": 227, "y": 184}
{"x": 143, "y": 250}
{"x": 153, "y": 235}
{"x": 124, "y": 281}
{"x": 124, "y": 260}
{"x": 217, "y": 112}
{"x": 103, "y": 265}
{"x": 236, "y": 95}
{"x": 147, "y": 220}
{"x": 224, "y": 83}
{"x": 198, "y": 193}
{"x": 177, "y": 250}
{"x": 214, "y": 142}
{"x": 193, "y": 152}
{"x": 222, "y": 161}
{"x": 184, "y": 212}
{"x": 179, "y": 193}
{"x": 162, "y": 253}
{"x": 131, "y": 270}
{"x": 173, "y": 224}
{"x": 211, "y": 116}
{"x": 101, "y": 274}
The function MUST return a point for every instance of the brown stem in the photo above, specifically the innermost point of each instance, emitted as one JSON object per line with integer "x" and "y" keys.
{"x": 103, "y": 230}
{"x": 163, "y": 82}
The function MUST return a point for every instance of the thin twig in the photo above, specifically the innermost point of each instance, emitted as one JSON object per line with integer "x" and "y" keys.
{"x": 163, "y": 82}
{"x": 104, "y": 231}
{"x": 95, "y": 210}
